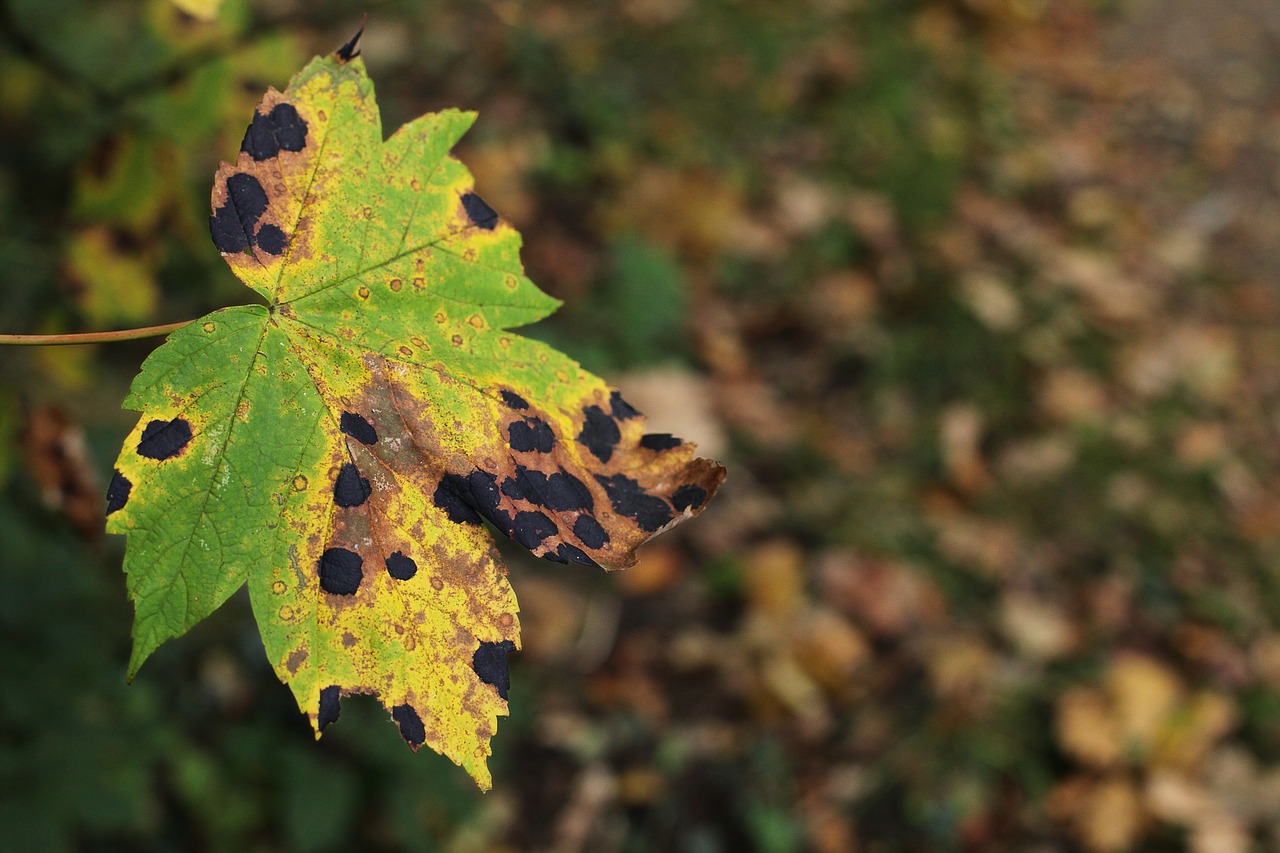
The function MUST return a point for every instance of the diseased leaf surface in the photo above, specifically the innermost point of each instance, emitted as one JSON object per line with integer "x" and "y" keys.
{"x": 339, "y": 448}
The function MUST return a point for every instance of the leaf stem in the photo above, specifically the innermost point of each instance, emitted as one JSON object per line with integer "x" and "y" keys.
{"x": 90, "y": 337}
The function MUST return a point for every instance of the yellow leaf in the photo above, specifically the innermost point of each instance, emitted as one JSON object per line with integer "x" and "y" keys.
{"x": 204, "y": 10}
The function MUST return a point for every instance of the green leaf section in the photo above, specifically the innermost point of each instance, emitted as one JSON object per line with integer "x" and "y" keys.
{"x": 338, "y": 449}
{"x": 206, "y": 519}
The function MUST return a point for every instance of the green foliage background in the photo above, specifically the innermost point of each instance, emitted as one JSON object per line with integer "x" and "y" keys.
{"x": 979, "y": 300}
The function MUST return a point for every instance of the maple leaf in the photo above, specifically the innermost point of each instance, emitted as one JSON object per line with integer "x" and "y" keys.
{"x": 338, "y": 448}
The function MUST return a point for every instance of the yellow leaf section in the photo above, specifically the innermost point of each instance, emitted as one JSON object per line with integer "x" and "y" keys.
{"x": 195, "y": 488}
{"x": 204, "y": 10}
{"x": 409, "y": 641}
{"x": 314, "y": 177}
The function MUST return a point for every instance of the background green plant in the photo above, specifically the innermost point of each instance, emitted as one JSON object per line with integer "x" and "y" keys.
{"x": 978, "y": 298}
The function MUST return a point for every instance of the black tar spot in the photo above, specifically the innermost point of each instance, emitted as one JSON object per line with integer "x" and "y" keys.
{"x": 573, "y": 554}
{"x": 411, "y": 728}
{"x": 358, "y": 428}
{"x": 232, "y": 225}
{"x": 401, "y": 567}
{"x": 228, "y": 234}
{"x": 450, "y": 497}
{"x": 329, "y": 706}
{"x": 483, "y": 488}
{"x": 341, "y": 571}
{"x": 659, "y": 441}
{"x": 560, "y": 492}
{"x": 271, "y": 239}
{"x": 519, "y": 488}
{"x": 350, "y": 51}
{"x": 490, "y": 664}
{"x": 478, "y": 212}
{"x": 530, "y": 528}
{"x": 282, "y": 129}
{"x": 164, "y": 439}
{"x": 629, "y": 499}
{"x": 350, "y": 489}
{"x": 599, "y": 433}
{"x": 514, "y": 400}
{"x": 589, "y": 532}
{"x": 466, "y": 499}
{"x": 564, "y": 491}
{"x": 622, "y": 410}
{"x": 531, "y": 434}
{"x": 118, "y": 492}
{"x": 687, "y": 496}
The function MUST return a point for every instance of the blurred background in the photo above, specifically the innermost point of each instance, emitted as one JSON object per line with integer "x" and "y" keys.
{"x": 976, "y": 299}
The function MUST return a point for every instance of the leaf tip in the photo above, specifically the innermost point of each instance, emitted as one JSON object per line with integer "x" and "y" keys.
{"x": 480, "y": 773}
{"x": 351, "y": 49}
{"x": 136, "y": 660}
